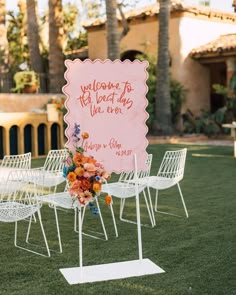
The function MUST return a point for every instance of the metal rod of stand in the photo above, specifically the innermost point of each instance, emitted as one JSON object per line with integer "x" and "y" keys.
{"x": 140, "y": 250}
{"x": 80, "y": 238}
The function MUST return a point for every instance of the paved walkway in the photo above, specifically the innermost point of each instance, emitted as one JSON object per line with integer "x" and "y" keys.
{"x": 192, "y": 138}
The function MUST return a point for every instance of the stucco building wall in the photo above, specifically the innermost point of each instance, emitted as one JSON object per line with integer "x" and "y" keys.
{"x": 193, "y": 33}
{"x": 187, "y": 31}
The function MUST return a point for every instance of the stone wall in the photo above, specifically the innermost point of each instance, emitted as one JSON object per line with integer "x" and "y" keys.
{"x": 25, "y": 125}
{"x": 11, "y": 103}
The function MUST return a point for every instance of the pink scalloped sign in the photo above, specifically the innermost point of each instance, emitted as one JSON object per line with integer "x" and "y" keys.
{"x": 108, "y": 101}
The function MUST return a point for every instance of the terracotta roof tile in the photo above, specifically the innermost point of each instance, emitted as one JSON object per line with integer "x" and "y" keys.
{"x": 224, "y": 43}
{"x": 176, "y": 5}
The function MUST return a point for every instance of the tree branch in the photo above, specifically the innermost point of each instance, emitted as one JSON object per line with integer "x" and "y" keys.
{"x": 123, "y": 21}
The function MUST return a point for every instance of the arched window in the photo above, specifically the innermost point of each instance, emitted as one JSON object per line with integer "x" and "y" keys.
{"x": 130, "y": 54}
{"x": 28, "y": 138}
{"x": 54, "y": 136}
{"x": 41, "y": 139}
{"x": 13, "y": 134}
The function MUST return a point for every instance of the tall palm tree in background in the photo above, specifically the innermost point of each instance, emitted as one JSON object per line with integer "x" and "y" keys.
{"x": 3, "y": 38}
{"x": 113, "y": 36}
{"x": 162, "y": 122}
{"x": 36, "y": 61}
{"x": 56, "y": 58}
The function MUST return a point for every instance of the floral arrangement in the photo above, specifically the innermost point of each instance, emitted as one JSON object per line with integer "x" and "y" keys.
{"x": 59, "y": 102}
{"x": 84, "y": 173}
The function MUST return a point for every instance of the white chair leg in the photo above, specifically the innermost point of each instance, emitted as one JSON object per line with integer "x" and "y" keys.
{"x": 149, "y": 208}
{"x": 75, "y": 220}
{"x": 100, "y": 215}
{"x": 182, "y": 198}
{"x": 113, "y": 219}
{"x": 156, "y": 201}
{"x": 122, "y": 204}
{"x": 29, "y": 227}
{"x": 82, "y": 213}
{"x": 150, "y": 213}
{"x": 58, "y": 229}
{"x": 44, "y": 236}
{"x": 43, "y": 232}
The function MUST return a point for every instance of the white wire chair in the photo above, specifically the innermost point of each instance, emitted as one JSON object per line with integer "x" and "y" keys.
{"x": 64, "y": 200}
{"x": 18, "y": 202}
{"x": 142, "y": 178}
{"x": 10, "y": 162}
{"x": 170, "y": 173}
{"x": 125, "y": 188}
{"x": 21, "y": 161}
{"x": 51, "y": 174}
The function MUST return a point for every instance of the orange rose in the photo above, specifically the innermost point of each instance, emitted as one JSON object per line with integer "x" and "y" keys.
{"x": 71, "y": 176}
{"x": 85, "y": 184}
{"x": 78, "y": 159}
{"x": 91, "y": 160}
{"x": 106, "y": 175}
{"x": 79, "y": 171}
{"x": 85, "y": 135}
{"x": 90, "y": 170}
{"x": 108, "y": 200}
{"x": 75, "y": 188}
{"x": 97, "y": 186}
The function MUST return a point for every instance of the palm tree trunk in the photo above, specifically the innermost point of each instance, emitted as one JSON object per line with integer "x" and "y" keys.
{"x": 162, "y": 122}
{"x": 113, "y": 36}
{"x": 56, "y": 58}
{"x": 36, "y": 62}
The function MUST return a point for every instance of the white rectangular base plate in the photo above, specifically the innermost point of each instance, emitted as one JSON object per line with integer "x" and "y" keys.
{"x": 111, "y": 271}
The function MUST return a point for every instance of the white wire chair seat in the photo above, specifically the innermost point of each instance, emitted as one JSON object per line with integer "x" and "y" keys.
{"x": 126, "y": 187}
{"x": 60, "y": 199}
{"x": 161, "y": 183}
{"x": 18, "y": 202}
{"x": 8, "y": 185}
{"x": 49, "y": 178}
{"x": 122, "y": 190}
{"x": 50, "y": 175}
{"x": 15, "y": 211}
{"x": 170, "y": 173}
{"x": 63, "y": 200}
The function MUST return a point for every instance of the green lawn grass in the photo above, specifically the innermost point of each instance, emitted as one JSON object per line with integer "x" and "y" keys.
{"x": 197, "y": 254}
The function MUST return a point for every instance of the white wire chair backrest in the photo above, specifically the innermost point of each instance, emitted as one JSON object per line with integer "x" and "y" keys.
{"x": 55, "y": 160}
{"x": 173, "y": 165}
{"x": 21, "y": 161}
{"x": 146, "y": 173}
{"x": 18, "y": 200}
{"x": 129, "y": 177}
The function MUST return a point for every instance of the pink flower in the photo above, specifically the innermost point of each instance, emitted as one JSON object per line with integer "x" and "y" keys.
{"x": 90, "y": 170}
{"x": 75, "y": 188}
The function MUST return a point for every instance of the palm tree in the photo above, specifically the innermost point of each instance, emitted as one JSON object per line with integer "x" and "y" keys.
{"x": 36, "y": 61}
{"x": 56, "y": 57}
{"x": 113, "y": 36}
{"x": 162, "y": 122}
{"x": 3, "y": 38}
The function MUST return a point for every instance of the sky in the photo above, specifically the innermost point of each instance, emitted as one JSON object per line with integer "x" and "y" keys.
{"x": 224, "y": 5}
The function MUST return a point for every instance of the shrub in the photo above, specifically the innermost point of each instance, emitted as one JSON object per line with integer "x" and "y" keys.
{"x": 177, "y": 92}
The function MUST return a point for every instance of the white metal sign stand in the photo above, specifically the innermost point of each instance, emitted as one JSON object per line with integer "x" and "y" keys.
{"x": 112, "y": 271}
